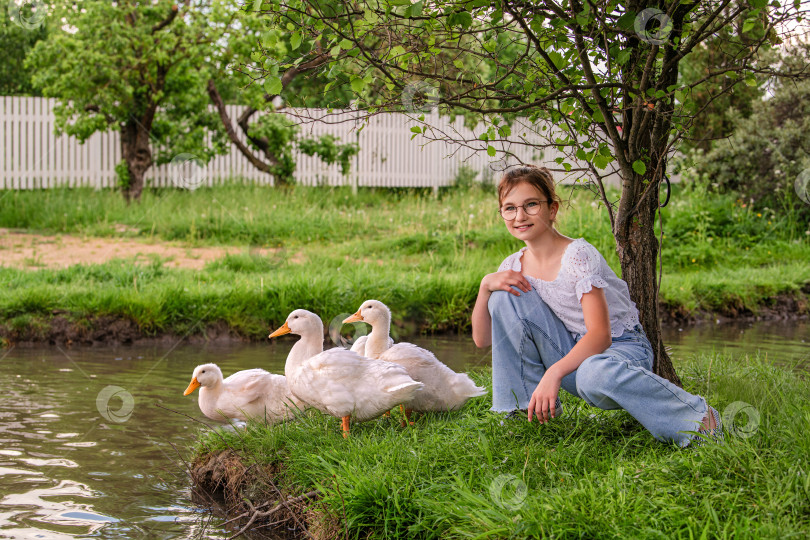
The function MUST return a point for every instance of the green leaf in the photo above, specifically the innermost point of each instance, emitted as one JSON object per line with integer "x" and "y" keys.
{"x": 346, "y": 44}
{"x": 623, "y": 56}
{"x": 491, "y": 151}
{"x": 272, "y": 85}
{"x": 358, "y": 84}
{"x": 463, "y": 19}
{"x": 748, "y": 26}
{"x": 295, "y": 40}
{"x": 600, "y": 162}
{"x": 416, "y": 129}
{"x": 627, "y": 20}
{"x": 639, "y": 167}
{"x": 557, "y": 58}
{"x": 750, "y": 80}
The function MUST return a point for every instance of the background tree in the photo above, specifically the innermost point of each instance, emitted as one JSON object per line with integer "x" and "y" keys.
{"x": 719, "y": 100}
{"x": 21, "y": 26}
{"x": 603, "y": 74}
{"x": 138, "y": 67}
{"x": 249, "y": 75}
{"x": 766, "y": 153}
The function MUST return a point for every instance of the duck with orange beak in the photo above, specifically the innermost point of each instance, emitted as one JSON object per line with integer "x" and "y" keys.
{"x": 339, "y": 382}
{"x": 252, "y": 393}
{"x": 445, "y": 390}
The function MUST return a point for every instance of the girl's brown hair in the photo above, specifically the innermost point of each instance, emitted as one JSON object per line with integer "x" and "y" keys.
{"x": 539, "y": 177}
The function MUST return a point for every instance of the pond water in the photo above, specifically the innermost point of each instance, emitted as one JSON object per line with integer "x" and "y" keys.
{"x": 89, "y": 449}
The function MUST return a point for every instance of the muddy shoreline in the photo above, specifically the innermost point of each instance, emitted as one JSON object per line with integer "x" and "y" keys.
{"x": 62, "y": 329}
{"x": 254, "y": 502}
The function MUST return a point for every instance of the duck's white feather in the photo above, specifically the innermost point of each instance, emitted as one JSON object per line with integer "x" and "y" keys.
{"x": 359, "y": 346}
{"x": 445, "y": 390}
{"x": 252, "y": 393}
{"x": 338, "y": 381}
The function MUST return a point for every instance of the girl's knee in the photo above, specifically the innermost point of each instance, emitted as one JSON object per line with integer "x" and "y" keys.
{"x": 499, "y": 300}
{"x": 590, "y": 375}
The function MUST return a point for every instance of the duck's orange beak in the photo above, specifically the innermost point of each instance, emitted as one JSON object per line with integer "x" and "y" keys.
{"x": 193, "y": 385}
{"x": 285, "y": 329}
{"x": 354, "y": 318}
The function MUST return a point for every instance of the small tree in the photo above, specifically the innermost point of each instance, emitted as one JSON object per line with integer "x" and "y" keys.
{"x": 604, "y": 74}
{"x": 139, "y": 68}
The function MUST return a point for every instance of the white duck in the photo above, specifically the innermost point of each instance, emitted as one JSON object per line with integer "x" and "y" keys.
{"x": 359, "y": 346}
{"x": 252, "y": 393}
{"x": 445, "y": 390}
{"x": 340, "y": 382}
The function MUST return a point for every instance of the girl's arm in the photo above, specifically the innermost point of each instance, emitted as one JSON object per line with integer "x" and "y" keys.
{"x": 596, "y": 340}
{"x": 498, "y": 281}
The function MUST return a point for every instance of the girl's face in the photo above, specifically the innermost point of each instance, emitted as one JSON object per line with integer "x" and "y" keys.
{"x": 523, "y": 199}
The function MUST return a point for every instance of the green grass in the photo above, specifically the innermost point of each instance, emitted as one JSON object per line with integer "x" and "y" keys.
{"x": 423, "y": 255}
{"x": 587, "y": 474}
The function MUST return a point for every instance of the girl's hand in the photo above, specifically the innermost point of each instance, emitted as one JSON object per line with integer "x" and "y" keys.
{"x": 544, "y": 397}
{"x": 503, "y": 281}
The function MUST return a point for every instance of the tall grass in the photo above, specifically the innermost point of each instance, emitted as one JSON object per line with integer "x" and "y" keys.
{"x": 587, "y": 474}
{"x": 423, "y": 255}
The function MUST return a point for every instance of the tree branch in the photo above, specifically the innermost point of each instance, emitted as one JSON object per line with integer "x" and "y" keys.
{"x": 167, "y": 21}
{"x": 213, "y": 93}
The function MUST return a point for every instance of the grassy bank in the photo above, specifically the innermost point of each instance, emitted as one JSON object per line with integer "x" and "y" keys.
{"x": 330, "y": 250}
{"x": 587, "y": 474}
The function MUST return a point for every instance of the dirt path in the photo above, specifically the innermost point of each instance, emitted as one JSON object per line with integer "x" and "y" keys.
{"x": 32, "y": 251}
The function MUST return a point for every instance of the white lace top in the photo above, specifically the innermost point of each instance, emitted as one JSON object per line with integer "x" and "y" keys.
{"x": 582, "y": 267}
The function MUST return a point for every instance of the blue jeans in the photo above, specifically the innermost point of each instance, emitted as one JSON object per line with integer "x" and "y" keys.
{"x": 528, "y": 338}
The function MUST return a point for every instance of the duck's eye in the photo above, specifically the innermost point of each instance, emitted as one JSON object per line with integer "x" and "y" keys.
{"x": 295, "y": 316}
{"x": 203, "y": 371}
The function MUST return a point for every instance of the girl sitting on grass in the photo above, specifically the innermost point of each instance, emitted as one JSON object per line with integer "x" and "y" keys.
{"x": 557, "y": 315}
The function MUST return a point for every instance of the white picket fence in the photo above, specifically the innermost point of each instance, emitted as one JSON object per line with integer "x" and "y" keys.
{"x": 32, "y": 157}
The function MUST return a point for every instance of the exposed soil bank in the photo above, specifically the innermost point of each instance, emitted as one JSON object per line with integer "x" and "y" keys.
{"x": 62, "y": 329}
{"x": 252, "y": 499}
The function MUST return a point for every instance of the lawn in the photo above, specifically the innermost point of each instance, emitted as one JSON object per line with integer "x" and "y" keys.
{"x": 587, "y": 474}
{"x": 328, "y": 250}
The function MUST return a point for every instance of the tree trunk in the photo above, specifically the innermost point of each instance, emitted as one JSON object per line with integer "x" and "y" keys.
{"x": 137, "y": 154}
{"x": 637, "y": 248}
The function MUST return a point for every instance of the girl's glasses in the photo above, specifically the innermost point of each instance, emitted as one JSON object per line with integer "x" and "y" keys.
{"x": 509, "y": 212}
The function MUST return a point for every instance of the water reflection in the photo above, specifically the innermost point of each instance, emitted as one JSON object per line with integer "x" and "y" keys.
{"x": 70, "y": 468}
